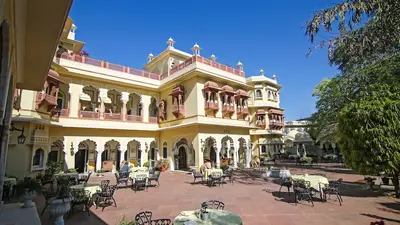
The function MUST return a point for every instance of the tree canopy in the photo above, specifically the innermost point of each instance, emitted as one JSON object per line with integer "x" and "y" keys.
{"x": 367, "y": 31}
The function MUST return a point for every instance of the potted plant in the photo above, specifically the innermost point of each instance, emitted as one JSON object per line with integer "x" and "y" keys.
{"x": 30, "y": 188}
{"x": 60, "y": 205}
{"x": 165, "y": 165}
{"x": 146, "y": 164}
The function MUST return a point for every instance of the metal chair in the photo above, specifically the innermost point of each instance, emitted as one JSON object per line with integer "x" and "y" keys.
{"x": 48, "y": 196}
{"x": 302, "y": 191}
{"x": 104, "y": 184}
{"x": 334, "y": 189}
{"x": 161, "y": 222}
{"x": 122, "y": 178}
{"x": 197, "y": 175}
{"x": 143, "y": 218}
{"x": 228, "y": 174}
{"x": 214, "y": 179}
{"x": 215, "y": 204}
{"x": 155, "y": 177}
{"x": 140, "y": 180}
{"x": 106, "y": 198}
{"x": 285, "y": 182}
{"x": 84, "y": 178}
{"x": 80, "y": 197}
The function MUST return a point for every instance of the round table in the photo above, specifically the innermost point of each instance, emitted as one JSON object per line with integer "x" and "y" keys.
{"x": 11, "y": 180}
{"x": 315, "y": 180}
{"x": 217, "y": 217}
{"x": 208, "y": 172}
{"x": 92, "y": 188}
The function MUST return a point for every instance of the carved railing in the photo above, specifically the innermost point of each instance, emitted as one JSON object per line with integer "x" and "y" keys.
{"x": 134, "y": 118}
{"x": 89, "y": 115}
{"x": 153, "y": 119}
{"x": 52, "y": 100}
{"x": 107, "y": 65}
{"x": 112, "y": 116}
{"x": 228, "y": 108}
{"x": 211, "y": 105}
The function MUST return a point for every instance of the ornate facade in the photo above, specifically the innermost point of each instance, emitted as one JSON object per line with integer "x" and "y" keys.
{"x": 92, "y": 114}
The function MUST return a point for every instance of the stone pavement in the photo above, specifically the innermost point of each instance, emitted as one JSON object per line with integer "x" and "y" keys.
{"x": 254, "y": 199}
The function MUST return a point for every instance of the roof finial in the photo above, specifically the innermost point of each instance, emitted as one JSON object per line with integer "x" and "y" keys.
{"x": 196, "y": 49}
{"x": 170, "y": 42}
{"x": 150, "y": 57}
{"x": 240, "y": 66}
{"x": 274, "y": 77}
{"x": 213, "y": 57}
{"x": 261, "y": 72}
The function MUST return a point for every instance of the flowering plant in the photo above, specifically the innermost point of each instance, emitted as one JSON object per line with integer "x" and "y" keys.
{"x": 84, "y": 53}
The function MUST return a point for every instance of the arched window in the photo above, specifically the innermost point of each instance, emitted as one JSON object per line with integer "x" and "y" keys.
{"x": 258, "y": 94}
{"x": 263, "y": 149}
{"x": 269, "y": 94}
{"x": 165, "y": 150}
{"x": 37, "y": 161}
{"x": 60, "y": 100}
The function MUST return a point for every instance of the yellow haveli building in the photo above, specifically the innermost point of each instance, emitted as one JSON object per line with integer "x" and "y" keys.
{"x": 183, "y": 107}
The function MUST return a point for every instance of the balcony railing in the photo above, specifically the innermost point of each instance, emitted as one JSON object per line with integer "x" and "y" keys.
{"x": 107, "y": 65}
{"x": 228, "y": 108}
{"x": 89, "y": 115}
{"x": 51, "y": 100}
{"x": 276, "y": 124}
{"x": 60, "y": 112}
{"x": 242, "y": 111}
{"x": 112, "y": 116}
{"x": 211, "y": 105}
{"x": 260, "y": 123}
{"x": 178, "y": 109}
{"x": 153, "y": 119}
{"x": 134, "y": 118}
{"x": 204, "y": 61}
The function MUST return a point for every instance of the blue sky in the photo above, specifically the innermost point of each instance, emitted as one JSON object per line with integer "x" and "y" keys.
{"x": 262, "y": 34}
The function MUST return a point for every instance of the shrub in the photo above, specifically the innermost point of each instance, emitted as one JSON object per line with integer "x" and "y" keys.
{"x": 53, "y": 168}
{"x": 146, "y": 164}
{"x": 72, "y": 170}
{"x": 223, "y": 167}
{"x": 240, "y": 165}
{"x": 125, "y": 222}
{"x": 306, "y": 159}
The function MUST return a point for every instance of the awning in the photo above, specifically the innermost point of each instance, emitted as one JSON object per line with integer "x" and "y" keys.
{"x": 260, "y": 112}
{"x": 54, "y": 75}
{"x": 275, "y": 111}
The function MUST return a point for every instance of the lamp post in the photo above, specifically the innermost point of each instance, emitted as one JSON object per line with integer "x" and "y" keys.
{"x": 21, "y": 138}
{"x": 71, "y": 150}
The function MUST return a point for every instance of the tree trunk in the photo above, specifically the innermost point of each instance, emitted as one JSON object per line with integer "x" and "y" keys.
{"x": 395, "y": 181}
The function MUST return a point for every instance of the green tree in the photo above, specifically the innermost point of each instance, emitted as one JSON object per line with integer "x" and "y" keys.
{"x": 367, "y": 31}
{"x": 369, "y": 131}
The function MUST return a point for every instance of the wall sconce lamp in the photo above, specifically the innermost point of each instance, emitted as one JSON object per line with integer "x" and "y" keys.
{"x": 202, "y": 144}
{"x": 72, "y": 149}
{"x": 21, "y": 138}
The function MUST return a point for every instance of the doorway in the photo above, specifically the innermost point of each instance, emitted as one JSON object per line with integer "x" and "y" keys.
{"x": 182, "y": 158}
{"x": 213, "y": 155}
{"x": 81, "y": 159}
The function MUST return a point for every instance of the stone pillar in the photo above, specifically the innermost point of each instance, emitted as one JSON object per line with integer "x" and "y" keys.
{"x": 248, "y": 151}
{"x": 124, "y": 99}
{"x": 143, "y": 156}
{"x": 260, "y": 149}
{"x": 98, "y": 158}
{"x": 103, "y": 95}
{"x": 218, "y": 158}
{"x": 235, "y": 158}
{"x": 75, "y": 90}
{"x": 146, "y": 99}
{"x": 172, "y": 161}
{"x": 123, "y": 154}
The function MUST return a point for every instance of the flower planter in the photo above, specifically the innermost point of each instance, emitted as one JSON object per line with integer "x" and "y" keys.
{"x": 163, "y": 169}
{"x": 28, "y": 196}
{"x": 60, "y": 207}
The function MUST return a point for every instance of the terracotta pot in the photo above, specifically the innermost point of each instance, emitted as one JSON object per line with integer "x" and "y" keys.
{"x": 163, "y": 169}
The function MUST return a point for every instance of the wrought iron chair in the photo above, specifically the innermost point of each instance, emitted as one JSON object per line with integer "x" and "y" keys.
{"x": 285, "y": 182}
{"x": 155, "y": 177}
{"x": 80, "y": 197}
{"x": 228, "y": 174}
{"x": 122, "y": 178}
{"x": 6, "y": 190}
{"x": 84, "y": 178}
{"x": 215, "y": 204}
{"x": 143, "y": 218}
{"x": 334, "y": 189}
{"x": 197, "y": 175}
{"x": 48, "y": 196}
{"x": 161, "y": 222}
{"x": 302, "y": 191}
{"x": 214, "y": 179}
{"x": 106, "y": 198}
{"x": 140, "y": 180}
{"x": 104, "y": 184}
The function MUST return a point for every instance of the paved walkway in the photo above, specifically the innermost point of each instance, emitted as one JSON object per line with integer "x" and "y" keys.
{"x": 254, "y": 199}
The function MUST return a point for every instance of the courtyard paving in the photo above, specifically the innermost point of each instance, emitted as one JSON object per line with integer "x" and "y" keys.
{"x": 255, "y": 199}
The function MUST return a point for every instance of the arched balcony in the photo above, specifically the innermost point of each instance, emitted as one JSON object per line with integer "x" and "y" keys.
{"x": 178, "y": 100}
{"x": 227, "y": 95}
{"x": 242, "y": 109}
{"x": 260, "y": 118}
{"x": 134, "y": 108}
{"x": 153, "y": 111}
{"x": 49, "y": 94}
{"x": 113, "y": 107}
{"x": 89, "y": 103}
{"x": 276, "y": 119}
{"x": 211, "y": 100}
